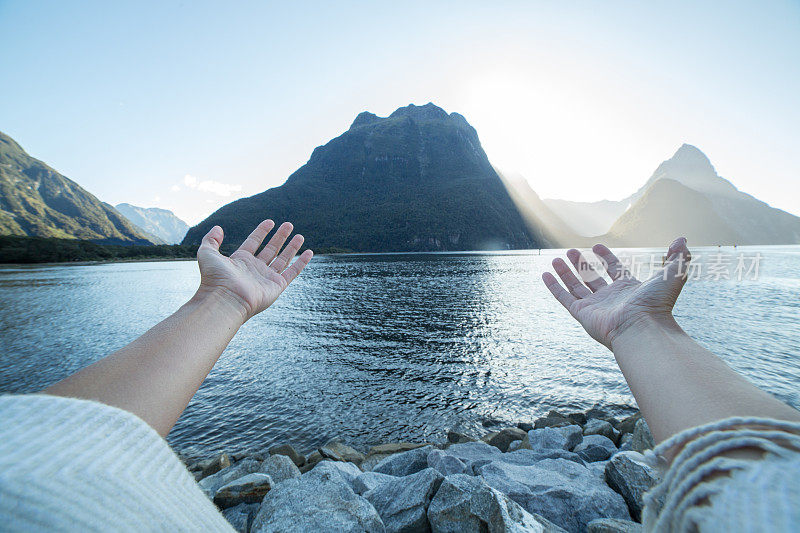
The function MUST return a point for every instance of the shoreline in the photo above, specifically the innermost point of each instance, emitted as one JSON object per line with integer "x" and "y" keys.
{"x": 571, "y": 471}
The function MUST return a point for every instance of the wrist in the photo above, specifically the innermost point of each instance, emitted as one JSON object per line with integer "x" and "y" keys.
{"x": 225, "y": 302}
{"x": 644, "y": 326}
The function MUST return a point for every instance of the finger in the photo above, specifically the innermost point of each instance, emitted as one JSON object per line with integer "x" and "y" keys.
{"x": 574, "y": 285}
{"x": 213, "y": 238}
{"x": 287, "y": 254}
{"x": 558, "y": 291}
{"x": 588, "y": 274}
{"x": 613, "y": 265}
{"x": 678, "y": 246}
{"x": 274, "y": 245}
{"x": 678, "y": 258}
{"x": 251, "y": 243}
{"x": 293, "y": 271}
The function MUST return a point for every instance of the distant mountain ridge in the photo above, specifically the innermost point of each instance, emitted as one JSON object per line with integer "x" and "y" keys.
{"x": 417, "y": 180}
{"x": 36, "y": 200}
{"x": 686, "y": 196}
{"x": 156, "y": 221}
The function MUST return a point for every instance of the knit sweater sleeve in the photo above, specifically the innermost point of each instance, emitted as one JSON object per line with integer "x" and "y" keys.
{"x": 77, "y": 465}
{"x": 711, "y": 487}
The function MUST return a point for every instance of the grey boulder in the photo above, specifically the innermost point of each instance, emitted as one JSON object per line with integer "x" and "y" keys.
{"x": 212, "y": 483}
{"x": 613, "y": 525}
{"x": 279, "y": 468}
{"x": 595, "y": 448}
{"x": 241, "y": 516}
{"x": 339, "y": 449}
{"x": 247, "y": 489}
{"x": 503, "y": 439}
{"x": 402, "y": 503}
{"x": 346, "y": 472}
{"x": 564, "y": 492}
{"x": 369, "y": 480}
{"x": 631, "y": 477}
{"x": 320, "y": 501}
{"x": 595, "y": 426}
{"x": 405, "y": 463}
{"x": 289, "y": 451}
{"x": 550, "y": 438}
{"x": 466, "y": 504}
{"x": 642, "y": 438}
{"x": 445, "y": 463}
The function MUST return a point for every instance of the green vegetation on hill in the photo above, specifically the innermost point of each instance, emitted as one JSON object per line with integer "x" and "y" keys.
{"x": 36, "y": 200}
{"x": 19, "y": 249}
{"x": 417, "y": 180}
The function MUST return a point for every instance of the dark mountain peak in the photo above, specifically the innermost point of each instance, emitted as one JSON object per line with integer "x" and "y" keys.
{"x": 363, "y": 118}
{"x": 429, "y": 111}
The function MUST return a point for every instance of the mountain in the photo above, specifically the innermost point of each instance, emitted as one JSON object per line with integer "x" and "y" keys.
{"x": 417, "y": 180}
{"x": 159, "y": 222}
{"x": 587, "y": 218}
{"x": 36, "y": 200}
{"x": 686, "y": 196}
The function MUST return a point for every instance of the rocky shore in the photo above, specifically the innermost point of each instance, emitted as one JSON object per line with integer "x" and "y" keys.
{"x": 570, "y": 472}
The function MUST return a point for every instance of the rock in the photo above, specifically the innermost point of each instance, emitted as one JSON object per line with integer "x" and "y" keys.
{"x": 311, "y": 461}
{"x": 552, "y": 422}
{"x": 369, "y": 480}
{"x": 212, "y": 465}
{"x": 378, "y": 453}
{"x": 525, "y": 426}
{"x": 344, "y": 451}
{"x": 556, "y": 414}
{"x": 502, "y": 439}
{"x": 642, "y": 438}
{"x": 631, "y": 477}
{"x": 241, "y": 516}
{"x": 330, "y": 455}
{"x": 455, "y": 437}
{"x": 279, "y": 468}
{"x": 577, "y": 418}
{"x": 471, "y": 453}
{"x": 212, "y": 483}
{"x": 466, "y": 504}
{"x": 346, "y": 472}
{"x": 562, "y": 491}
{"x": 531, "y": 457}
{"x": 545, "y": 439}
{"x": 514, "y": 446}
{"x": 595, "y": 426}
{"x": 573, "y": 434}
{"x": 287, "y": 450}
{"x": 247, "y": 489}
{"x": 598, "y": 468}
{"x": 629, "y": 424}
{"x": 318, "y": 502}
{"x": 403, "y": 502}
{"x": 405, "y": 463}
{"x": 613, "y": 525}
{"x": 626, "y": 442}
{"x": 445, "y": 463}
{"x": 489, "y": 436}
{"x": 595, "y": 448}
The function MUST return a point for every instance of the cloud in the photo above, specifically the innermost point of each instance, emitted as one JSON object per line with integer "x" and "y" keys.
{"x": 211, "y": 186}
{"x": 175, "y": 188}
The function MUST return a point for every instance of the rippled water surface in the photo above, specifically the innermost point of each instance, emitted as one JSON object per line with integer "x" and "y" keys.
{"x": 384, "y": 347}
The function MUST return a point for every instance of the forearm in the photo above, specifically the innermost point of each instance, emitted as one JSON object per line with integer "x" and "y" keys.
{"x": 679, "y": 385}
{"x": 156, "y": 375}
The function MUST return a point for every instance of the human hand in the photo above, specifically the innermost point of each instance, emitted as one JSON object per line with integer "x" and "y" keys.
{"x": 606, "y": 310}
{"x": 251, "y": 283}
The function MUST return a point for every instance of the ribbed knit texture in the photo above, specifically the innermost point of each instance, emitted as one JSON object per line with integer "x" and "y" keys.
{"x": 704, "y": 490}
{"x": 76, "y": 465}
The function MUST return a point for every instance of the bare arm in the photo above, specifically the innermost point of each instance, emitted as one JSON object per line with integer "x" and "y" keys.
{"x": 156, "y": 375}
{"x": 677, "y": 383}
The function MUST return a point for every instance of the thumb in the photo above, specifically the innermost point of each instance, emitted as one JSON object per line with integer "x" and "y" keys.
{"x": 678, "y": 258}
{"x": 213, "y": 238}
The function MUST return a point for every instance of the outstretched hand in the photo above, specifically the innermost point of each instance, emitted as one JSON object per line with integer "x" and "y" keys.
{"x": 605, "y": 310}
{"x": 251, "y": 282}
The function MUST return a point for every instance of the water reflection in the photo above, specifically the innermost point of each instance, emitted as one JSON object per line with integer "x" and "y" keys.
{"x": 376, "y": 348}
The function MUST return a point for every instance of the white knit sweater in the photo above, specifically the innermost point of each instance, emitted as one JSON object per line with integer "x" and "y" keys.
{"x": 76, "y": 465}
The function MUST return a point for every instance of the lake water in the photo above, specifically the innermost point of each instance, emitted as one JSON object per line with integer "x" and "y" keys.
{"x": 376, "y": 348}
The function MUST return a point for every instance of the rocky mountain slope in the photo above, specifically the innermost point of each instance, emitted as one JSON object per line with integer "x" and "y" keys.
{"x": 38, "y": 201}
{"x": 417, "y": 180}
{"x": 159, "y": 222}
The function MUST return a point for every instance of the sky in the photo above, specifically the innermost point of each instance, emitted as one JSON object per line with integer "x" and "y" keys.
{"x": 190, "y": 105}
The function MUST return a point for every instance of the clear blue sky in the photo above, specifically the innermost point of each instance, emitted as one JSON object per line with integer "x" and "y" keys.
{"x": 584, "y": 99}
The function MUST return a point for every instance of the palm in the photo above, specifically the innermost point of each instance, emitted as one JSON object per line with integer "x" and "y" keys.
{"x": 605, "y": 310}
{"x": 254, "y": 281}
